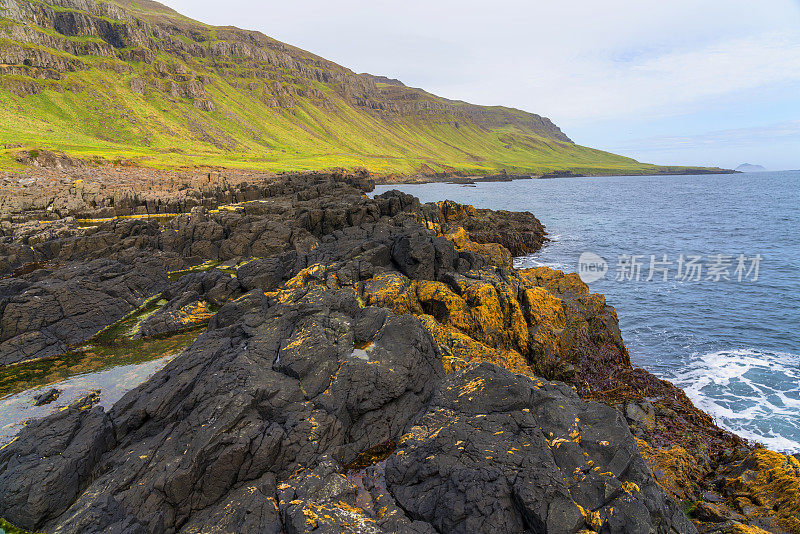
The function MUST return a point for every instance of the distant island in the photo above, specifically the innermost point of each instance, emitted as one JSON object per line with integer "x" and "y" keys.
{"x": 746, "y": 167}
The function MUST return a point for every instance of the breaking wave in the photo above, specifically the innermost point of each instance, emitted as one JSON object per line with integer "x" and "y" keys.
{"x": 753, "y": 393}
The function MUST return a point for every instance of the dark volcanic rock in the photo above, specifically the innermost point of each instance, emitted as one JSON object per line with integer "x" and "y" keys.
{"x": 520, "y": 232}
{"x": 42, "y": 477}
{"x": 278, "y": 383}
{"x": 317, "y": 400}
{"x": 52, "y": 311}
{"x": 46, "y": 397}
{"x": 249, "y": 403}
{"x": 190, "y": 301}
{"x": 501, "y": 452}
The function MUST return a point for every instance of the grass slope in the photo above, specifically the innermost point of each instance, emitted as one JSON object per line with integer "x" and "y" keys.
{"x": 93, "y": 113}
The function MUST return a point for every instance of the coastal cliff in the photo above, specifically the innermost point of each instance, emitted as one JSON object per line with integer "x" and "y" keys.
{"x": 368, "y": 365}
{"x": 99, "y": 82}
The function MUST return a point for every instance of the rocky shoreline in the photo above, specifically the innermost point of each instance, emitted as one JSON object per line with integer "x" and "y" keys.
{"x": 468, "y": 179}
{"x": 369, "y": 365}
{"x": 60, "y": 187}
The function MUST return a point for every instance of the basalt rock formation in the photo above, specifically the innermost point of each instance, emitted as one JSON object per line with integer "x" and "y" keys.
{"x": 370, "y": 365}
{"x": 46, "y": 312}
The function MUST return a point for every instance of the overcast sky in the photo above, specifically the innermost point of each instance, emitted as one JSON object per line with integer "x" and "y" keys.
{"x": 706, "y": 82}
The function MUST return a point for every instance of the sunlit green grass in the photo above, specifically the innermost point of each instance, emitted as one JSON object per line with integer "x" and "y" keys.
{"x": 94, "y": 114}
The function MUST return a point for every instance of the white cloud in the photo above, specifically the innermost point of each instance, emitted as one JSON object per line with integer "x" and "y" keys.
{"x": 788, "y": 131}
{"x": 671, "y": 82}
{"x": 574, "y": 60}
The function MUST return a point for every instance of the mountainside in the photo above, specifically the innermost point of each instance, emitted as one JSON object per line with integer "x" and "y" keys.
{"x": 136, "y": 82}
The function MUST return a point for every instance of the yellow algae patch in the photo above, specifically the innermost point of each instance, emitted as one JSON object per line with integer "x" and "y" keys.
{"x": 393, "y": 291}
{"x": 123, "y": 217}
{"x": 545, "y": 313}
{"x": 9, "y": 443}
{"x": 452, "y": 211}
{"x": 352, "y": 509}
{"x": 497, "y": 254}
{"x": 556, "y": 442}
{"x": 438, "y": 300}
{"x": 556, "y": 282}
{"x": 350, "y": 518}
{"x": 312, "y": 435}
{"x": 314, "y": 273}
{"x": 459, "y": 237}
{"x": 458, "y": 349}
{"x": 205, "y": 266}
{"x": 300, "y": 337}
{"x": 592, "y": 518}
{"x": 739, "y": 528}
{"x": 419, "y": 433}
{"x": 473, "y": 386}
{"x": 312, "y": 517}
{"x": 630, "y": 487}
{"x": 480, "y": 320}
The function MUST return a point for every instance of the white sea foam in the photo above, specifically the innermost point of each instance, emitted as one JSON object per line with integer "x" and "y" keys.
{"x": 528, "y": 262}
{"x": 754, "y": 393}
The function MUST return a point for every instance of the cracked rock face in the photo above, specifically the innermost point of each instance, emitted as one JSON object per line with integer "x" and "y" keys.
{"x": 369, "y": 373}
{"x": 50, "y": 312}
{"x": 498, "y": 451}
{"x": 277, "y": 385}
{"x": 248, "y": 404}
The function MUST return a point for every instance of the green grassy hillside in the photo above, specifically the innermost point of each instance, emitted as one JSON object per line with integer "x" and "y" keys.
{"x": 135, "y": 81}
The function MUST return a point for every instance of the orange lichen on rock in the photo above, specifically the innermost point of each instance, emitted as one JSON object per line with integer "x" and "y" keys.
{"x": 194, "y": 314}
{"x": 732, "y": 527}
{"x": 313, "y": 274}
{"x": 766, "y": 484}
{"x": 484, "y": 321}
{"x": 505, "y": 318}
{"x": 674, "y": 469}
{"x": 547, "y": 313}
{"x": 452, "y": 211}
{"x": 392, "y": 290}
{"x": 458, "y": 350}
{"x": 497, "y": 254}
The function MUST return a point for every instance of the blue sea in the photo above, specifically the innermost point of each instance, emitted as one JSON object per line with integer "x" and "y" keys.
{"x": 720, "y": 315}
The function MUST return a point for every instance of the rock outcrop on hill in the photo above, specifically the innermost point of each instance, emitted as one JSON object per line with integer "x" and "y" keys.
{"x": 370, "y": 365}
{"x": 49, "y": 39}
{"x": 96, "y": 82}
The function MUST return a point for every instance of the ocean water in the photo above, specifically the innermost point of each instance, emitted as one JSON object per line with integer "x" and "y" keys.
{"x": 728, "y": 335}
{"x": 111, "y": 385}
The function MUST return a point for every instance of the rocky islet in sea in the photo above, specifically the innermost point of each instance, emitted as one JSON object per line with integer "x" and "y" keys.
{"x": 369, "y": 365}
